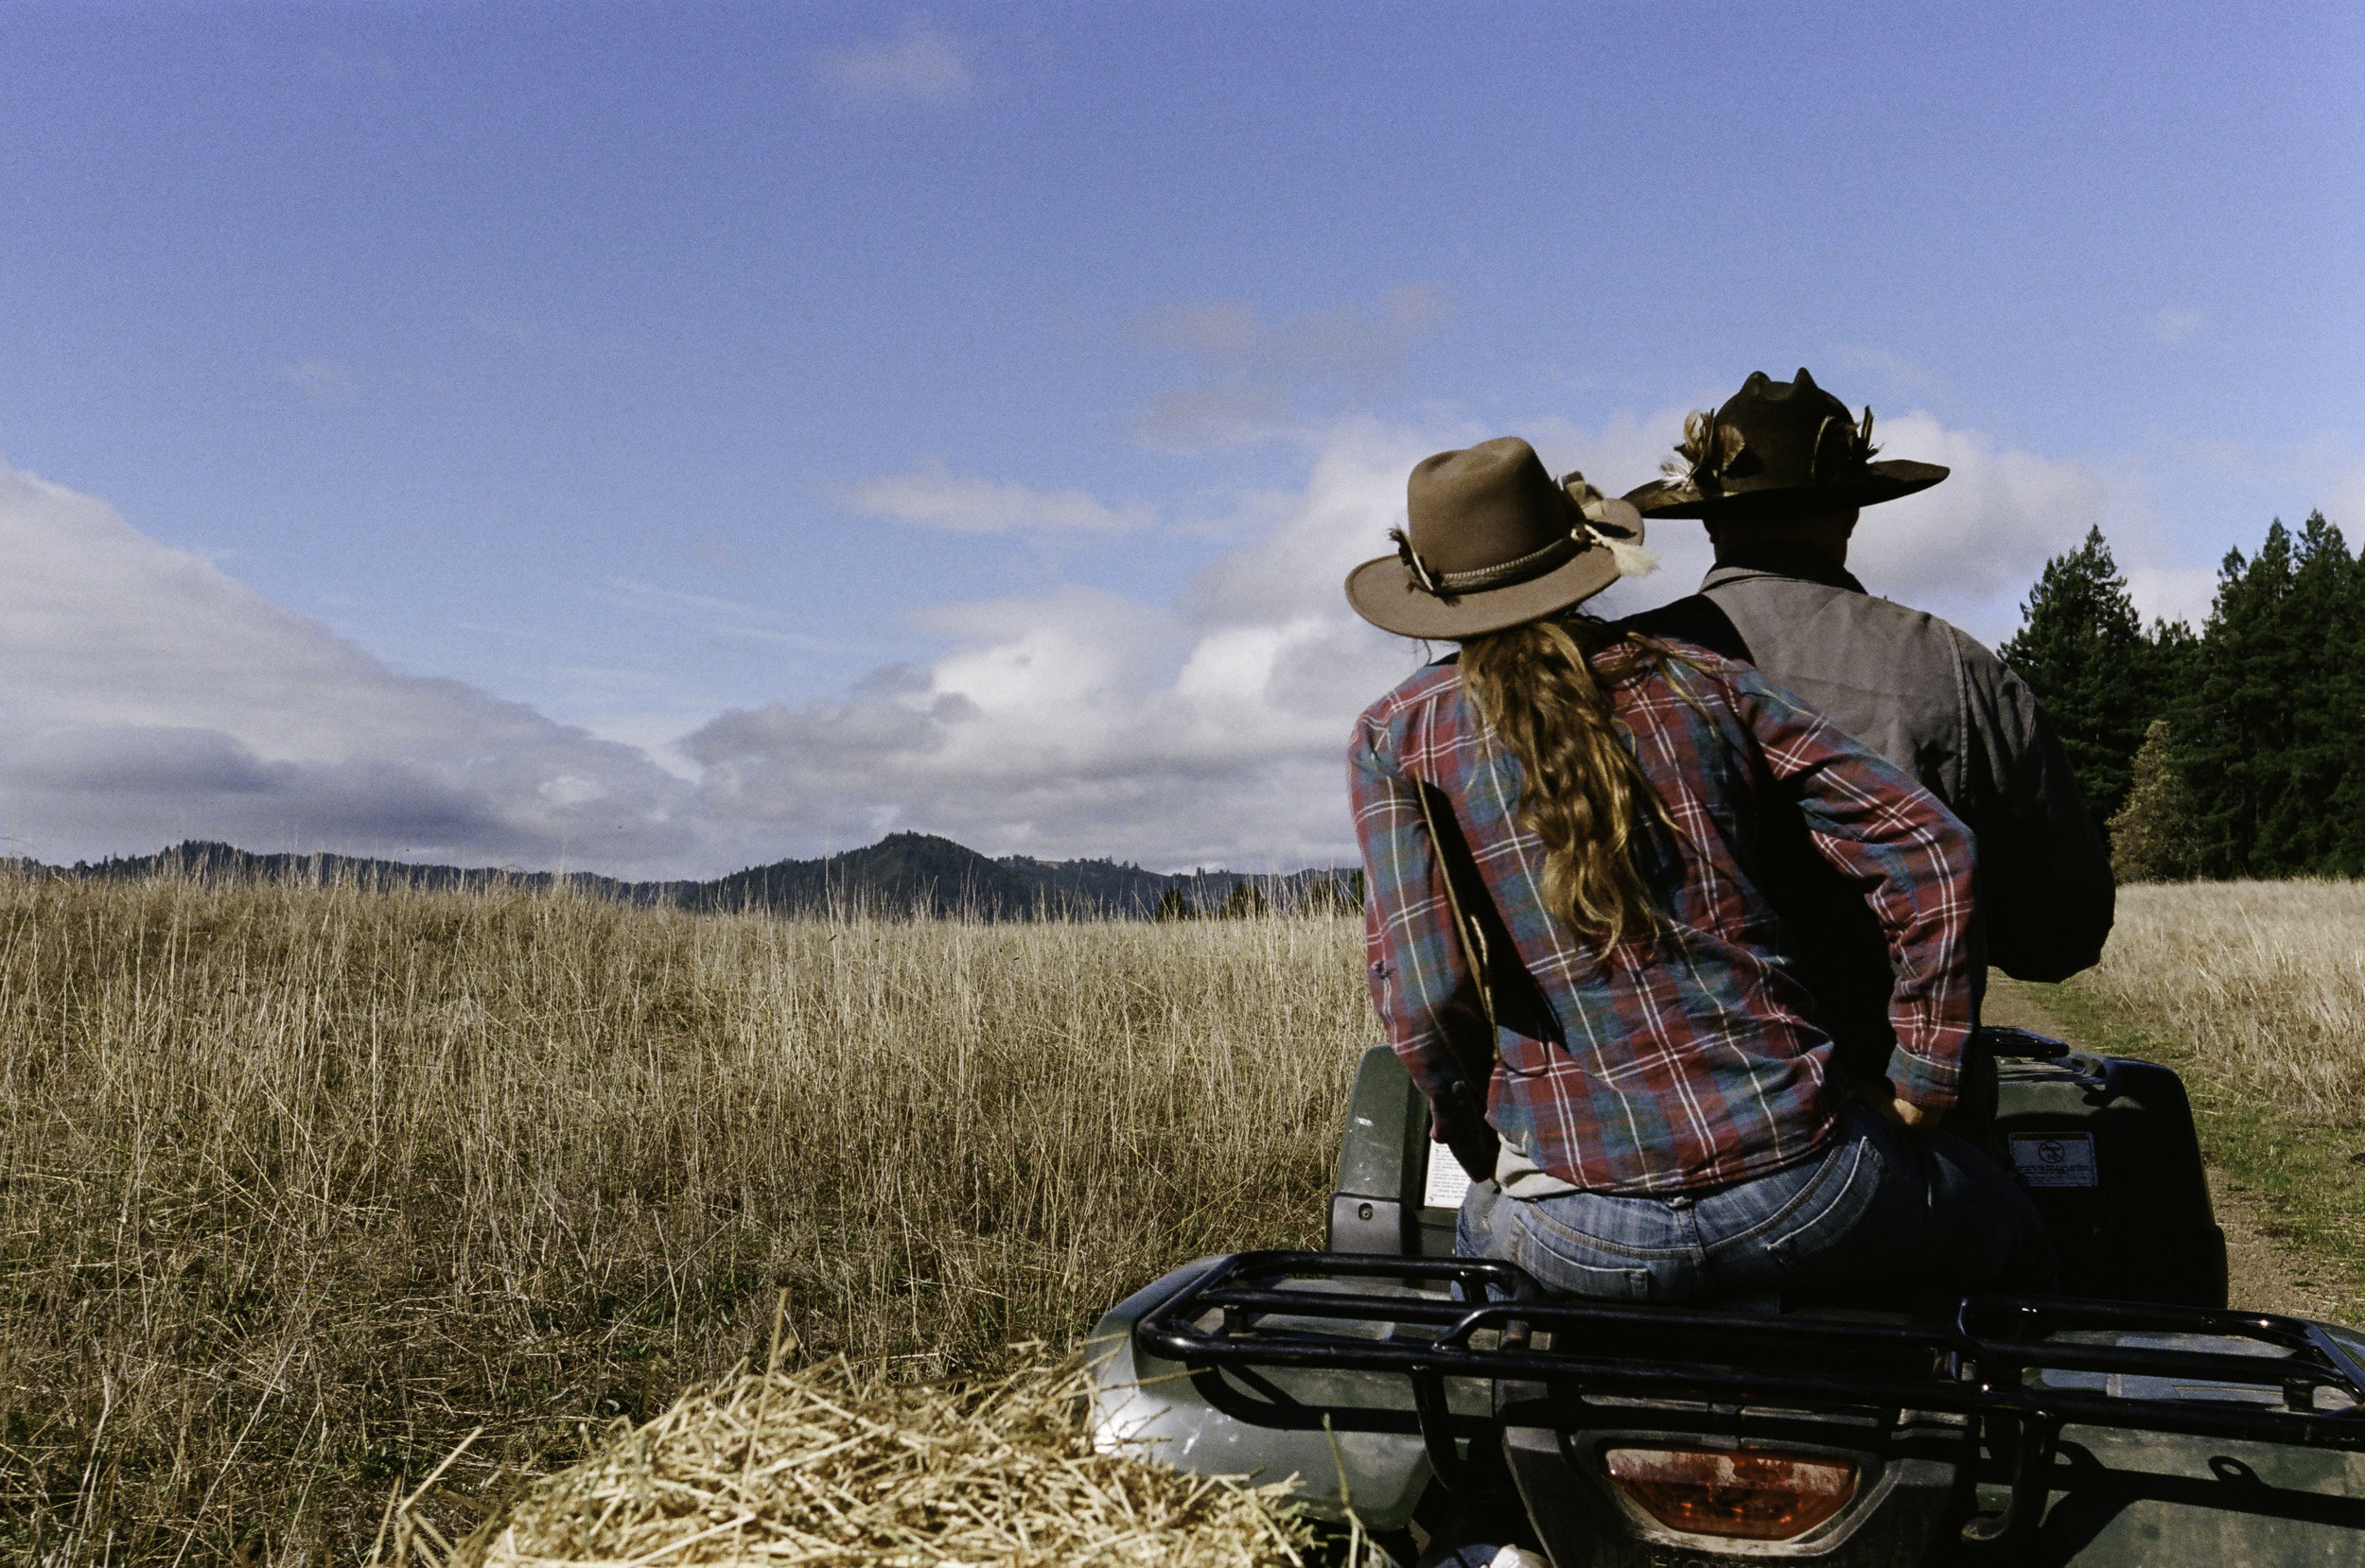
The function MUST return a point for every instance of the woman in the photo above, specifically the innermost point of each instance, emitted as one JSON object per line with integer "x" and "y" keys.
{"x": 1561, "y": 833}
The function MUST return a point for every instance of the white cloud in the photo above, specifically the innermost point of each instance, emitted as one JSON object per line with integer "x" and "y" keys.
{"x": 1965, "y": 549}
{"x": 931, "y": 497}
{"x": 1209, "y": 731}
{"x": 151, "y": 697}
{"x": 1260, "y": 358}
{"x": 1902, "y": 374}
{"x": 508, "y": 328}
{"x": 324, "y": 381}
{"x": 1196, "y": 420}
{"x": 1617, "y": 457}
{"x": 1344, "y": 343}
{"x": 1969, "y": 549}
{"x": 541, "y": 334}
{"x": 2172, "y": 592}
{"x": 922, "y": 64}
{"x": 2173, "y": 326}
{"x": 2345, "y": 504}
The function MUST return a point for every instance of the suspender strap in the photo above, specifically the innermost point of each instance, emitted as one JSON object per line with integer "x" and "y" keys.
{"x": 1465, "y": 896}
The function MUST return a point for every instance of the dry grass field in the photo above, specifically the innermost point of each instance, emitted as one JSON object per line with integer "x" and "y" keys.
{"x": 2266, "y": 979}
{"x": 299, "y": 1186}
{"x": 2255, "y": 992}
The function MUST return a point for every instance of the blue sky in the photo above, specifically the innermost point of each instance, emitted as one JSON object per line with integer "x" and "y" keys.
{"x": 763, "y": 426}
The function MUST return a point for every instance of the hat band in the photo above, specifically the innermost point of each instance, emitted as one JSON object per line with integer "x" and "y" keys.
{"x": 1450, "y": 584}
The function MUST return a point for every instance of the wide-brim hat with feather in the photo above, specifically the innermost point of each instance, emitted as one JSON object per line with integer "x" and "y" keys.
{"x": 1777, "y": 445}
{"x": 1490, "y": 541}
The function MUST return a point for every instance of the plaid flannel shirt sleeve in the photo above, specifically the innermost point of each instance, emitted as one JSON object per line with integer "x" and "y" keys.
{"x": 1411, "y": 956}
{"x": 1914, "y": 860}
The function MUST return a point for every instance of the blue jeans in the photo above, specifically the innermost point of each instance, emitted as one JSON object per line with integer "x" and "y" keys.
{"x": 1883, "y": 1214}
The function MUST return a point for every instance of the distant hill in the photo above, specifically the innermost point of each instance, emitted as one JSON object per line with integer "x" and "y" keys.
{"x": 902, "y": 874}
{"x": 209, "y": 862}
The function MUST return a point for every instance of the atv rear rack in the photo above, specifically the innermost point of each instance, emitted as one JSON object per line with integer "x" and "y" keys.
{"x": 1998, "y": 1360}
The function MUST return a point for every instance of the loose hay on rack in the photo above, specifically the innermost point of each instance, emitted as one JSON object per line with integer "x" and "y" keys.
{"x": 832, "y": 1463}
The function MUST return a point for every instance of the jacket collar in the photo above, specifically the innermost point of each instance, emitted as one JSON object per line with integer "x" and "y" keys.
{"x": 1780, "y": 558}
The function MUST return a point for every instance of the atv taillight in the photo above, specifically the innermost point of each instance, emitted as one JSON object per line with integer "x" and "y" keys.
{"x": 1750, "y": 1492}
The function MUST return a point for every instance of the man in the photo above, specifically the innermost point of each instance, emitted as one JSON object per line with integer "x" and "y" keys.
{"x": 1779, "y": 474}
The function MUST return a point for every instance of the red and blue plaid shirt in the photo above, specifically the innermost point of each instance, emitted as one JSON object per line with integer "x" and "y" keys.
{"x": 1687, "y": 1058}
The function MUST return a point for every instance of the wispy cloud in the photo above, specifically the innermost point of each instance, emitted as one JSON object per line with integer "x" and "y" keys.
{"x": 2217, "y": 452}
{"x": 1902, "y": 374}
{"x": 328, "y": 382}
{"x": 648, "y": 595}
{"x": 728, "y": 618}
{"x": 2345, "y": 500}
{"x": 2173, "y": 593}
{"x": 719, "y": 556}
{"x": 1263, "y": 363}
{"x": 1207, "y": 419}
{"x": 930, "y": 497}
{"x": 508, "y": 328}
{"x": 1346, "y": 342}
{"x": 2175, "y": 327}
{"x": 922, "y": 64}
{"x": 2325, "y": 472}
{"x": 539, "y": 335}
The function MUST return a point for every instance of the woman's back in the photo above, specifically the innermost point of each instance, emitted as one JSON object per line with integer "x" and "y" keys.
{"x": 1685, "y": 1057}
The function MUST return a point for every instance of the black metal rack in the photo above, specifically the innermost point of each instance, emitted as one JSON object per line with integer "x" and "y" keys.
{"x": 1976, "y": 1365}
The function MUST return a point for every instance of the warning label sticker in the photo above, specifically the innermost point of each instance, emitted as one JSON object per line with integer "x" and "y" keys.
{"x": 2056, "y": 1158}
{"x": 1447, "y": 1180}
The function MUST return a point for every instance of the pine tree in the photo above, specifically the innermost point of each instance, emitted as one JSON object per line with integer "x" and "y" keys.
{"x": 2344, "y": 681}
{"x": 2261, "y": 769}
{"x": 2175, "y": 663}
{"x": 2151, "y": 838}
{"x": 2236, "y": 718}
{"x": 2082, "y": 651}
{"x": 2296, "y": 831}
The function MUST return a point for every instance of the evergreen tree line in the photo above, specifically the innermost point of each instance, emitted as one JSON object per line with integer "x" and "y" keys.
{"x": 2236, "y": 751}
{"x": 1248, "y": 901}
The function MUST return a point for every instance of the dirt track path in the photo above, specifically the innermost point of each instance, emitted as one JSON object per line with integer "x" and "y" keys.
{"x": 2266, "y": 1275}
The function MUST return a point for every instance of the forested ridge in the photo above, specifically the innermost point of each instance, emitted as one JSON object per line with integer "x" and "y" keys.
{"x": 902, "y": 874}
{"x": 2235, "y": 751}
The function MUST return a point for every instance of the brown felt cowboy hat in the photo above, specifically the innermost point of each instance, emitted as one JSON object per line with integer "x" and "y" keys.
{"x": 1776, "y": 444}
{"x": 1490, "y": 541}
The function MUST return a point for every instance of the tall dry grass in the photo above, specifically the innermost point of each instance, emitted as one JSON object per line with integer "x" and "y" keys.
{"x": 299, "y": 1185}
{"x": 2264, "y": 981}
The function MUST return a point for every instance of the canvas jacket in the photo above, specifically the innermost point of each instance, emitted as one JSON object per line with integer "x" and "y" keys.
{"x": 1951, "y": 714}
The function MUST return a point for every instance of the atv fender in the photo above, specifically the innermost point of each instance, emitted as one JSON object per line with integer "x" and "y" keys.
{"x": 1350, "y": 1439}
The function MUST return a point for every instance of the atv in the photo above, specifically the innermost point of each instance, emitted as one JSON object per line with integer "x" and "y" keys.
{"x": 1456, "y": 1414}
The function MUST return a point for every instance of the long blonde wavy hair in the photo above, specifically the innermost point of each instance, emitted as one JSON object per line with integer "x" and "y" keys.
{"x": 1537, "y": 686}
